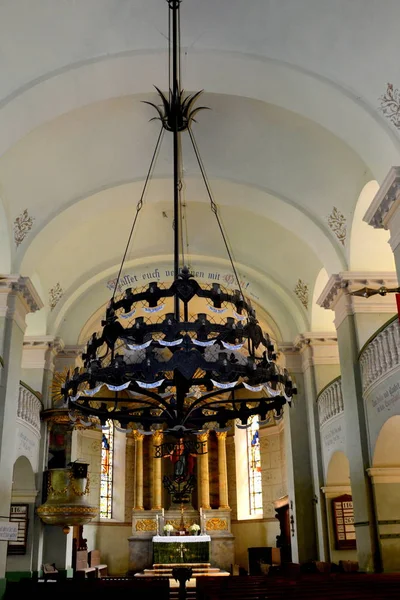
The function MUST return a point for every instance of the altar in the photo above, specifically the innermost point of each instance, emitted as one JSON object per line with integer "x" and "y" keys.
{"x": 169, "y": 549}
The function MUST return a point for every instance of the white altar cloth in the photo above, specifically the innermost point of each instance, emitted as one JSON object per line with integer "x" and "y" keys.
{"x": 181, "y": 538}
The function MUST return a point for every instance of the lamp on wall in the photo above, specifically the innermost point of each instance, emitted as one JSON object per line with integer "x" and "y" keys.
{"x": 180, "y": 371}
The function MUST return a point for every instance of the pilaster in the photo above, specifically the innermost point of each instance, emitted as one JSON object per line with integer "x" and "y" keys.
{"x": 139, "y": 470}
{"x": 204, "y": 473}
{"x": 320, "y": 363}
{"x": 299, "y": 464}
{"x": 17, "y": 298}
{"x": 356, "y": 318}
{"x": 222, "y": 471}
{"x": 157, "y": 463}
{"x": 38, "y": 356}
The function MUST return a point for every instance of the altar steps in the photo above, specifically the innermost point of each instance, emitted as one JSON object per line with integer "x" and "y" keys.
{"x": 198, "y": 569}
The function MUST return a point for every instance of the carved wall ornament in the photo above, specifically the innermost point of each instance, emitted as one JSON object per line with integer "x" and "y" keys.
{"x": 22, "y": 226}
{"x": 55, "y": 295}
{"x": 337, "y": 222}
{"x": 301, "y": 291}
{"x": 390, "y": 105}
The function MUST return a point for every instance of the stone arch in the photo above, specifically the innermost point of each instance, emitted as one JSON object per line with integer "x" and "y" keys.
{"x": 23, "y": 475}
{"x": 321, "y": 319}
{"x": 23, "y": 492}
{"x": 368, "y": 249}
{"x": 387, "y": 448}
{"x": 338, "y": 471}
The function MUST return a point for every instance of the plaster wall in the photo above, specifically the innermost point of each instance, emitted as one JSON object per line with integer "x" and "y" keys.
{"x": 368, "y": 323}
{"x": 253, "y": 534}
{"x": 333, "y": 439}
{"x": 324, "y": 374}
{"x": 86, "y": 446}
{"x": 382, "y": 401}
{"x": 111, "y": 539}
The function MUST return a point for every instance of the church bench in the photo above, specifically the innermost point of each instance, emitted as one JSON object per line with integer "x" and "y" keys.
{"x": 95, "y": 562}
{"x": 82, "y": 569}
{"x": 101, "y": 589}
{"x": 309, "y": 587}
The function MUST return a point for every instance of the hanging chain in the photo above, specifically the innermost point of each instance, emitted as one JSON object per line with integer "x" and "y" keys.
{"x": 139, "y": 206}
{"x": 214, "y": 207}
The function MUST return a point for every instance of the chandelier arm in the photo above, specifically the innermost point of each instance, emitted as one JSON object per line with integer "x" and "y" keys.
{"x": 83, "y": 402}
{"x": 139, "y": 207}
{"x": 214, "y": 207}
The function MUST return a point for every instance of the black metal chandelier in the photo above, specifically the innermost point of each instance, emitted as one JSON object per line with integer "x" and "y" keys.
{"x": 181, "y": 372}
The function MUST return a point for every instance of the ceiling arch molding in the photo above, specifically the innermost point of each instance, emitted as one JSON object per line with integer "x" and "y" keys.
{"x": 313, "y": 96}
{"x": 79, "y": 304}
{"x": 261, "y": 202}
{"x": 5, "y": 242}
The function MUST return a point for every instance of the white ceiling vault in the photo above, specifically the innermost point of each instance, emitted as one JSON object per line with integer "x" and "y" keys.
{"x": 295, "y": 143}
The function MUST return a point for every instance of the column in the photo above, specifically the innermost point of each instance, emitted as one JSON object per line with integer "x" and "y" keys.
{"x": 38, "y": 358}
{"x": 17, "y": 298}
{"x": 320, "y": 365}
{"x": 204, "y": 473}
{"x": 139, "y": 470}
{"x": 222, "y": 471}
{"x": 156, "y": 496}
{"x": 356, "y": 319}
{"x": 303, "y": 537}
{"x": 384, "y": 212}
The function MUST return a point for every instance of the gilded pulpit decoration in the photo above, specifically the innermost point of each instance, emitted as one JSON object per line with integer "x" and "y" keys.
{"x": 55, "y": 295}
{"x": 22, "y": 226}
{"x": 301, "y": 291}
{"x": 337, "y": 222}
{"x": 146, "y": 525}
{"x": 216, "y": 525}
{"x": 59, "y": 378}
{"x": 390, "y": 105}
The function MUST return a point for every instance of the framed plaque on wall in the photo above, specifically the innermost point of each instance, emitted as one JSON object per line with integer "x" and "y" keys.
{"x": 343, "y": 522}
{"x": 19, "y": 514}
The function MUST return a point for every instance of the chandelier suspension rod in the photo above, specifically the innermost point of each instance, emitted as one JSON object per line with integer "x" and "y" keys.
{"x": 174, "y": 6}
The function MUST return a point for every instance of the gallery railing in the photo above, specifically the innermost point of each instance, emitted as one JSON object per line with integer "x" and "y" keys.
{"x": 381, "y": 353}
{"x": 330, "y": 401}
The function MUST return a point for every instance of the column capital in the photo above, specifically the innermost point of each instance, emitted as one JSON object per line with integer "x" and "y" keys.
{"x": 138, "y": 437}
{"x": 68, "y": 355}
{"x": 18, "y": 297}
{"x": 317, "y": 348}
{"x": 39, "y": 352}
{"x": 336, "y": 294}
{"x": 203, "y": 437}
{"x": 157, "y": 437}
{"x": 292, "y": 357}
{"x": 385, "y": 203}
{"x": 221, "y": 435}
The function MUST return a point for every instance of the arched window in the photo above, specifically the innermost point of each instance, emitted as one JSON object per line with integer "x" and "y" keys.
{"x": 254, "y": 462}
{"x": 106, "y": 477}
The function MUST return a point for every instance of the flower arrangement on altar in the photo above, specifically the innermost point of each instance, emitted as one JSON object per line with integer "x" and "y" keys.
{"x": 168, "y": 528}
{"x": 194, "y": 528}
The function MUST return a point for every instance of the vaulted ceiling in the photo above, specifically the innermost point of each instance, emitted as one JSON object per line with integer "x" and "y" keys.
{"x": 295, "y": 131}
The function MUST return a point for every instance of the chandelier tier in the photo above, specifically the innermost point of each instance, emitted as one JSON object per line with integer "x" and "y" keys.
{"x": 184, "y": 371}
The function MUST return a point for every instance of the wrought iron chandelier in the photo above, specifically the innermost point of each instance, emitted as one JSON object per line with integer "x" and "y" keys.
{"x": 181, "y": 372}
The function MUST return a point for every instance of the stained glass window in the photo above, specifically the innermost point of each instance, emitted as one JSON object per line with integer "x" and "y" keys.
{"x": 106, "y": 477}
{"x": 254, "y": 461}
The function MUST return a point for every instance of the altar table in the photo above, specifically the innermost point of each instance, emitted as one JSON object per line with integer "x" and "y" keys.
{"x": 169, "y": 549}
